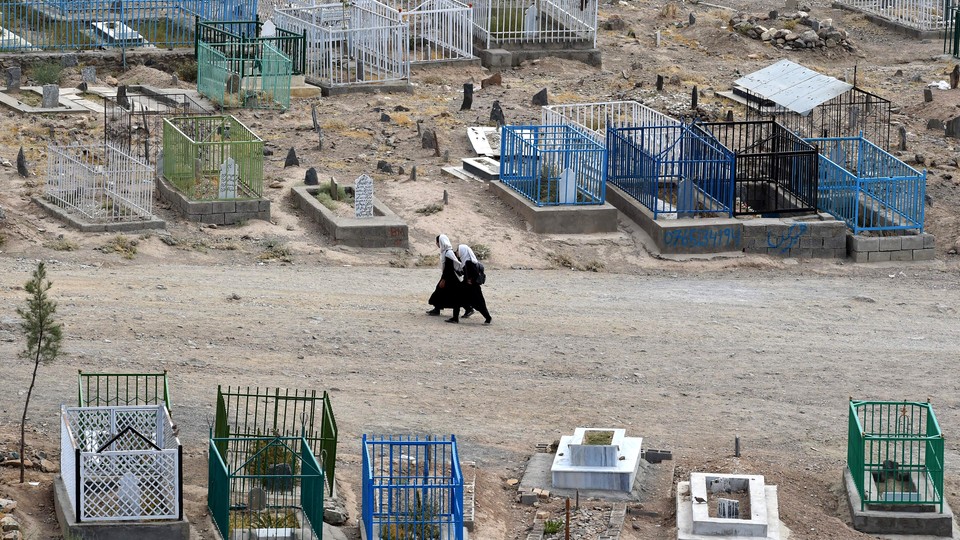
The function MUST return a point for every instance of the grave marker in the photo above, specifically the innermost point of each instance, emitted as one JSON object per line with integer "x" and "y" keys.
{"x": 363, "y": 197}
{"x": 568, "y": 187}
{"x": 89, "y": 74}
{"x": 530, "y": 18}
{"x": 13, "y": 79}
{"x": 467, "y": 97}
{"x": 228, "y": 179}
{"x": 51, "y": 96}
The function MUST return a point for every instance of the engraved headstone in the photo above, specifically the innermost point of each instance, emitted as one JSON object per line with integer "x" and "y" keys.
{"x": 694, "y": 94}
{"x": 257, "y": 500}
{"x": 68, "y": 60}
{"x": 269, "y": 29}
{"x": 728, "y": 509}
{"x": 363, "y": 197}
{"x": 429, "y": 139}
{"x": 413, "y": 173}
{"x": 228, "y": 179}
{"x": 659, "y": 83}
{"x": 530, "y": 17}
{"x": 88, "y": 74}
{"x": 692, "y": 19}
{"x": 13, "y": 79}
{"x": 568, "y": 187}
{"x": 686, "y": 199}
{"x": 51, "y": 96}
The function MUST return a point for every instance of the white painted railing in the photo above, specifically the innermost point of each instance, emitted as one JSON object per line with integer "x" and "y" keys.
{"x": 918, "y": 14}
{"x": 440, "y": 30}
{"x": 594, "y": 117}
{"x": 499, "y": 22}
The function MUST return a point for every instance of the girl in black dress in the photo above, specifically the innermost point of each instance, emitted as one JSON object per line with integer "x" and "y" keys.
{"x": 472, "y": 295}
{"x": 448, "y": 293}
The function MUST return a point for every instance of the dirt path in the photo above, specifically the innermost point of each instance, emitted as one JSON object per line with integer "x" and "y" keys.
{"x": 686, "y": 361}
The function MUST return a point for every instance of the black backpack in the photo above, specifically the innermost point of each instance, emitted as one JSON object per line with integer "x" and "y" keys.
{"x": 481, "y": 277}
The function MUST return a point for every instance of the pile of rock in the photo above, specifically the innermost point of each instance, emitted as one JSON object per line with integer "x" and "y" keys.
{"x": 816, "y": 34}
{"x": 9, "y": 527}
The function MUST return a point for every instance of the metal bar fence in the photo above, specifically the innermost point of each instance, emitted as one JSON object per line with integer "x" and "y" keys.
{"x": 895, "y": 454}
{"x": 364, "y": 42}
{"x": 776, "y": 171}
{"x": 916, "y": 14}
{"x": 198, "y": 152}
{"x": 553, "y": 165}
{"x": 126, "y": 463}
{"x": 245, "y": 37}
{"x": 136, "y": 127}
{"x": 868, "y": 188}
{"x": 248, "y": 412}
{"x": 262, "y": 485}
{"x": 238, "y": 75}
{"x": 100, "y": 182}
{"x": 672, "y": 170}
{"x": 514, "y": 22}
{"x": 113, "y": 389}
{"x": 412, "y": 488}
{"x": 595, "y": 117}
{"x": 440, "y": 30}
{"x": 93, "y": 24}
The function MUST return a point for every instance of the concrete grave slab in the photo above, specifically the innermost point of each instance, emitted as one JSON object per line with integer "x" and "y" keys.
{"x": 764, "y": 509}
{"x": 596, "y": 466}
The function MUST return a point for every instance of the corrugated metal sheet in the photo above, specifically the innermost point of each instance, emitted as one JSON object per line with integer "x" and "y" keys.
{"x": 793, "y": 86}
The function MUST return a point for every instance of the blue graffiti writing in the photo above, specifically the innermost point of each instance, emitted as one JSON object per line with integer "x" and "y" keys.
{"x": 728, "y": 238}
{"x": 785, "y": 241}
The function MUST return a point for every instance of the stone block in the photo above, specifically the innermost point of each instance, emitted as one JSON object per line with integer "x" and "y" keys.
{"x": 835, "y": 242}
{"x": 265, "y": 206}
{"x": 929, "y": 240}
{"x": 89, "y": 74}
{"x": 528, "y": 498}
{"x": 924, "y": 254}
{"x": 801, "y": 253}
{"x": 902, "y": 255}
{"x": 248, "y": 206}
{"x": 51, "y": 96}
{"x": 878, "y": 256}
{"x": 13, "y": 79}
{"x": 811, "y": 242}
{"x": 216, "y": 219}
{"x": 863, "y": 243}
{"x": 223, "y": 207}
{"x": 911, "y": 242}
{"x": 890, "y": 243}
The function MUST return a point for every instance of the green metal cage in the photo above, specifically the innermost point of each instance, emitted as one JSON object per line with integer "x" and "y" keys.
{"x": 119, "y": 389}
{"x": 212, "y": 158}
{"x": 895, "y": 454}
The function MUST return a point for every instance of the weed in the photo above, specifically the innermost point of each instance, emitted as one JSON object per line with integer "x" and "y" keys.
{"x": 427, "y": 260}
{"x": 563, "y": 260}
{"x": 552, "y": 526}
{"x": 120, "y": 244}
{"x": 482, "y": 251}
{"x": 402, "y": 119}
{"x": 791, "y": 24}
{"x": 433, "y": 78}
{"x": 62, "y": 244}
{"x": 3, "y": 239}
{"x": 430, "y": 209}
{"x": 593, "y": 266}
{"x": 401, "y": 259}
{"x": 273, "y": 518}
{"x": 46, "y": 73}
{"x": 275, "y": 249}
{"x": 669, "y": 11}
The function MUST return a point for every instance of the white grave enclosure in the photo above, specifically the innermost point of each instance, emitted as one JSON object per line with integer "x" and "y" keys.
{"x": 759, "y": 518}
{"x": 596, "y": 466}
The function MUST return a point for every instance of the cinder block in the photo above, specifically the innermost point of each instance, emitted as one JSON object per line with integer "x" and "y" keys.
{"x": 902, "y": 255}
{"x": 924, "y": 254}
{"x": 835, "y": 242}
{"x": 823, "y": 253}
{"x": 864, "y": 243}
{"x": 929, "y": 240}
{"x": 911, "y": 242}
{"x": 528, "y": 498}
{"x": 801, "y": 253}
{"x": 840, "y": 253}
{"x": 878, "y": 256}
{"x": 778, "y": 252}
{"x": 216, "y": 219}
{"x": 811, "y": 242}
{"x": 223, "y": 207}
{"x": 248, "y": 206}
{"x": 890, "y": 243}
{"x": 265, "y": 206}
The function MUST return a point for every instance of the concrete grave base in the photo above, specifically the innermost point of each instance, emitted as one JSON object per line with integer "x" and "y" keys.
{"x": 596, "y": 467}
{"x": 906, "y": 247}
{"x": 500, "y": 56}
{"x": 113, "y": 530}
{"x": 225, "y": 212}
{"x": 897, "y": 27}
{"x": 726, "y": 529}
{"x": 80, "y": 223}
{"x": 327, "y": 90}
{"x": 567, "y": 219}
{"x": 538, "y": 475}
{"x": 385, "y": 229}
{"x": 937, "y": 524}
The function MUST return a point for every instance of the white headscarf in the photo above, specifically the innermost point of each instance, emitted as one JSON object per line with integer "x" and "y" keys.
{"x": 446, "y": 252}
{"x": 466, "y": 254}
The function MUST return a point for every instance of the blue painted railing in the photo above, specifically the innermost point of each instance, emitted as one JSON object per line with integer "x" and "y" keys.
{"x": 868, "y": 188}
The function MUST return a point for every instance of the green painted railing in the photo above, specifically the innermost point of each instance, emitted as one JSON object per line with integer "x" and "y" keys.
{"x": 218, "y": 489}
{"x": 196, "y": 150}
{"x": 895, "y": 453}
{"x": 117, "y": 389}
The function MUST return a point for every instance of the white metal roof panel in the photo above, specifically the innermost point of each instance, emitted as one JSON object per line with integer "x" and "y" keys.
{"x": 793, "y": 86}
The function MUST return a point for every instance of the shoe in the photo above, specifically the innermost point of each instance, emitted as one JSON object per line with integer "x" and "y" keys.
{"x": 451, "y": 319}
{"x": 468, "y": 313}
{"x": 434, "y": 312}
{"x": 488, "y": 320}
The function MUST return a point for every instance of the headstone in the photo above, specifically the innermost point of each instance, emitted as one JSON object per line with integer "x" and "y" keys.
{"x": 385, "y": 167}
{"x": 686, "y": 199}
{"x": 496, "y": 114}
{"x": 530, "y": 21}
{"x": 174, "y": 80}
{"x": 228, "y": 179}
{"x": 446, "y": 198}
{"x": 728, "y": 509}
{"x": 568, "y": 187}
{"x": 540, "y": 98}
{"x": 292, "y": 160}
{"x": 692, "y": 19}
{"x": 129, "y": 494}
{"x": 320, "y": 138}
{"x": 122, "y": 96}
{"x": 953, "y": 129}
{"x": 730, "y": 115}
{"x": 902, "y": 143}
{"x": 401, "y": 171}
{"x": 82, "y": 87}
{"x": 313, "y": 115}
{"x": 899, "y": 73}
{"x": 467, "y": 97}
{"x": 233, "y": 84}
{"x": 198, "y": 169}
{"x": 256, "y": 500}
{"x": 773, "y": 15}
{"x": 428, "y": 139}
{"x": 658, "y": 39}
{"x": 446, "y": 156}
{"x": 927, "y": 95}
{"x": 494, "y": 80}
{"x": 413, "y": 173}
{"x": 88, "y": 74}
{"x": 13, "y": 79}
{"x": 363, "y": 197}
{"x": 268, "y": 29}
{"x": 935, "y": 123}
{"x": 279, "y": 477}
{"x": 68, "y": 60}
{"x": 854, "y": 119}
{"x": 311, "y": 177}
{"x": 22, "y": 164}
{"x": 694, "y": 94}
{"x": 659, "y": 83}
{"x": 384, "y": 117}
{"x": 955, "y": 77}
{"x": 51, "y": 96}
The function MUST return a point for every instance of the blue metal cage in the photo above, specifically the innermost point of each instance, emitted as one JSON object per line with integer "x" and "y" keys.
{"x": 553, "y": 165}
{"x": 672, "y": 170}
{"x": 412, "y": 488}
{"x": 867, "y": 187}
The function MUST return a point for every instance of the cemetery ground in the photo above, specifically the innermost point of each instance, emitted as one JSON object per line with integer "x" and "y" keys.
{"x": 685, "y": 354}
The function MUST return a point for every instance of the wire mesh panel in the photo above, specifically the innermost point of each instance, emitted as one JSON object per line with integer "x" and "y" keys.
{"x": 265, "y": 487}
{"x": 916, "y": 14}
{"x": 440, "y": 30}
{"x": 125, "y": 464}
{"x": 895, "y": 454}
{"x": 357, "y": 43}
{"x": 776, "y": 171}
{"x": 248, "y": 412}
{"x": 212, "y": 158}
{"x": 412, "y": 488}
{"x": 516, "y": 22}
{"x": 110, "y": 389}
{"x": 100, "y": 182}
{"x": 868, "y": 188}
{"x": 673, "y": 170}
{"x": 93, "y": 24}
{"x": 136, "y": 126}
{"x": 254, "y": 76}
{"x": 553, "y": 165}
{"x": 595, "y": 117}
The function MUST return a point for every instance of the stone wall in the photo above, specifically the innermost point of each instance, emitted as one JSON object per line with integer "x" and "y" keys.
{"x": 913, "y": 247}
{"x": 820, "y": 237}
{"x": 214, "y": 212}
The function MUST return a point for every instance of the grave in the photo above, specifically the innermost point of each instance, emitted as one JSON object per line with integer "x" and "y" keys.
{"x": 596, "y": 459}
{"x": 728, "y": 506}
{"x": 920, "y": 19}
{"x": 382, "y": 228}
{"x": 483, "y": 167}
{"x": 118, "y": 34}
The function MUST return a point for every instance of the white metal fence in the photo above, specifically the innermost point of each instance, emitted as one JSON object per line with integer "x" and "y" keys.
{"x": 498, "y": 22}
{"x": 595, "y": 117}
{"x": 363, "y": 42}
{"x": 101, "y": 182}
{"x": 440, "y": 30}
{"x": 918, "y": 14}
{"x": 121, "y": 463}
